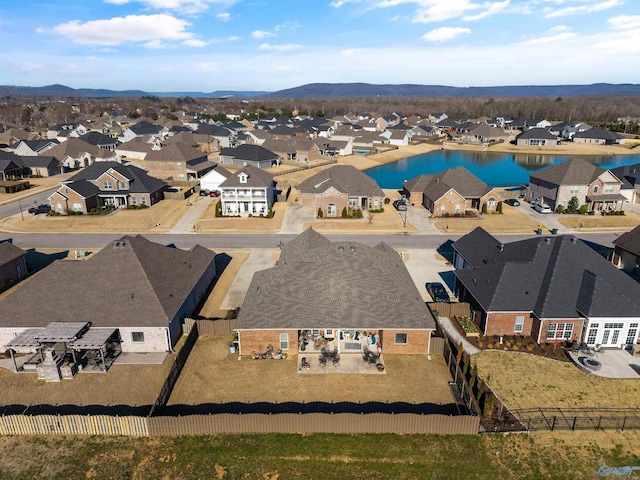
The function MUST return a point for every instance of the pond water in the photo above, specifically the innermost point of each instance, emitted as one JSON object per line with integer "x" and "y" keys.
{"x": 496, "y": 169}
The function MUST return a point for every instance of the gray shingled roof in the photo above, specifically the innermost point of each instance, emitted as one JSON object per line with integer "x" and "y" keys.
{"x": 629, "y": 241}
{"x": 554, "y": 277}
{"x": 322, "y": 284}
{"x": 139, "y": 284}
{"x": 458, "y": 178}
{"x": 537, "y": 133}
{"x": 344, "y": 178}
{"x": 253, "y": 153}
{"x": 9, "y": 252}
{"x": 255, "y": 178}
{"x": 139, "y": 180}
{"x": 570, "y": 172}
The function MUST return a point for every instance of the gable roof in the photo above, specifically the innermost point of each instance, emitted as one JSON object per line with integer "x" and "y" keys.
{"x": 598, "y": 133}
{"x": 141, "y": 284}
{"x": 139, "y": 180}
{"x": 570, "y": 172}
{"x": 553, "y": 277}
{"x": 458, "y": 178}
{"x": 345, "y": 179}
{"x": 322, "y": 284}
{"x": 256, "y": 177}
{"x": 536, "y": 133}
{"x": 97, "y": 139}
{"x": 629, "y": 241}
{"x": 176, "y": 152}
{"x": 9, "y": 252}
{"x": 253, "y": 153}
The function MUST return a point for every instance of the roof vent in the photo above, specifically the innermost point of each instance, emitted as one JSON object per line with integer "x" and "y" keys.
{"x": 574, "y": 240}
{"x": 341, "y": 248}
{"x": 501, "y": 247}
{"x": 116, "y": 244}
{"x": 547, "y": 240}
{"x": 352, "y": 248}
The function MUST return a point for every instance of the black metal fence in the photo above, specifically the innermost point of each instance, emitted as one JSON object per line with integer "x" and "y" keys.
{"x": 579, "y": 418}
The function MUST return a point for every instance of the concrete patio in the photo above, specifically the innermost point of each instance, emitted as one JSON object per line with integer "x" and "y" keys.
{"x": 614, "y": 363}
{"x": 351, "y": 363}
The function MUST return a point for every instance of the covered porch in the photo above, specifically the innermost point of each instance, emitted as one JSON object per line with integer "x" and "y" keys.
{"x": 113, "y": 199}
{"x": 606, "y": 202}
{"x": 343, "y": 341}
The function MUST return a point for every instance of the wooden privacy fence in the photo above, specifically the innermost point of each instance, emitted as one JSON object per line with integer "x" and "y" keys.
{"x": 339, "y": 423}
{"x": 442, "y": 309}
{"x": 74, "y": 425}
{"x": 437, "y": 346}
{"x": 215, "y": 327}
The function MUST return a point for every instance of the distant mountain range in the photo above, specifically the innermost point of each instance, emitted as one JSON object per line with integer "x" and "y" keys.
{"x": 345, "y": 90}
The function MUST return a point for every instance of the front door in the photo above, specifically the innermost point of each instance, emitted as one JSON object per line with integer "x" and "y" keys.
{"x": 611, "y": 335}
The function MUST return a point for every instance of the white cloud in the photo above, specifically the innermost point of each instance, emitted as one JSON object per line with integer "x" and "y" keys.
{"x": 151, "y": 29}
{"x": 234, "y": 38}
{"x": 154, "y": 45}
{"x": 225, "y": 16}
{"x": 287, "y": 26}
{"x": 278, "y": 48}
{"x": 624, "y": 22}
{"x": 581, "y": 9}
{"x": 193, "y": 42}
{"x": 549, "y": 39}
{"x": 445, "y": 33}
{"x": 559, "y": 29}
{"x": 492, "y": 9}
{"x": 182, "y": 6}
{"x": 262, "y": 34}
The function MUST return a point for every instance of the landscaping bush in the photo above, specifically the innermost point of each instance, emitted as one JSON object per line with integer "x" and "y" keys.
{"x": 218, "y": 209}
{"x": 359, "y": 213}
{"x": 583, "y": 210}
{"x": 574, "y": 205}
{"x": 560, "y": 209}
{"x": 484, "y": 208}
{"x": 379, "y": 210}
{"x": 345, "y": 213}
{"x": 499, "y": 207}
{"x": 320, "y": 212}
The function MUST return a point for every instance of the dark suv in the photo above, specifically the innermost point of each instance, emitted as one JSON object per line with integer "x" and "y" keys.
{"x": 44, "y": 208}
{"x": 400, "y": 205}
{"x": 437, "y": 292}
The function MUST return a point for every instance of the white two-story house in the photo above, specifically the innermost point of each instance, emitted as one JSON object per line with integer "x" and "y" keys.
{"x": 249, "y": 191}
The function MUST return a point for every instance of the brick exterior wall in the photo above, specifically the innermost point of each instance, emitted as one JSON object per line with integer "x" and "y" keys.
{"x": 67, "y": 203}
{"x": 447, "y": 204}
{"x": 565, "y": 195}
{"x": 491, "y": 194}
{"x": 167, "y": 170}
{"x": 340, "y": 200}
{"x": 417, "y": 342}
{"x": 503, "y": 323}
{"x": 538, "y": 189}
{"x": 258, "y": 340}
{"x": 540, "y": 328}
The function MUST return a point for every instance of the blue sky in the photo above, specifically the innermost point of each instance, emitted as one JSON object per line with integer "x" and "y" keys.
{"x": 208, "y": 45}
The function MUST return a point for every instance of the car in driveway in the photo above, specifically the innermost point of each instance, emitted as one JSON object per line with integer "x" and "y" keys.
{"x": 44, "y": 208}
{"x": 400, "y": 205}
{"x": 437, "y": 292}
{"x": 512, "y": 201}
{"x": 542, "y": 208}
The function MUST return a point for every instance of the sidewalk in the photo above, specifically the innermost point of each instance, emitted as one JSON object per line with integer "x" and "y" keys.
{"x": 455, "y": 336}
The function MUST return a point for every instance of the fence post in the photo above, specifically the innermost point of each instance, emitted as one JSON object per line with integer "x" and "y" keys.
{"x": 553, "y": 424}
{"x": 573, "y": 427}
{"x": 599, "y": 420}
{"x": 624, "y": 420}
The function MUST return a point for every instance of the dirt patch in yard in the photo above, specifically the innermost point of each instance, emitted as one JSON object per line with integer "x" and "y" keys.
{"x": 214, "y": 376}
{"x": 529, "y": 381}
{"x": 164, "y": 214}
{"x": 510, "y": 221}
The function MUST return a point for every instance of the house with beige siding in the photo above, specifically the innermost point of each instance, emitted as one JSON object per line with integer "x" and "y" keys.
{"x": 138, "y": 289}
{"x": 343, "y": 296}
{"x": 178, "y": 161}
{"x": 552, "y": 289}
{"x": 451, "y": 193}
{"x": 340, "y": 187}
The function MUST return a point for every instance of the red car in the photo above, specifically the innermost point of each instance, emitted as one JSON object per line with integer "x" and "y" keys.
{"x": 214, "y": 193}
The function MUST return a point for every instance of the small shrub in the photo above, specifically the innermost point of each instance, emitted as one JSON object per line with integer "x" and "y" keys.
{"x": 484, "y": 208}
{"x": 560, "y": 209}
{"x": 218, "y": 209}
{"x": 359, "y": 213}
{"x": 271, "y": 213}
{"x": 583, "y": 210}
{"x": 499, "y": 207}
{"x": 344, "y": 213}
{"x": 320, "y": 212}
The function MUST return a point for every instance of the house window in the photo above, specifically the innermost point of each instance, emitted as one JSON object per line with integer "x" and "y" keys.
{"x": 143, "y": 200}
{"x": 353, "y": 203}
{"x": 457, "y": 208}
{"x": 519, "y": 324}
{"x": 134, "y": 200}
{"x": 284, "y": 341}
{"x": 243, "y": 178}
{"x": 76, "y": 207}
{"x": 608, "y": 189}
{"x": 107, "y": 186}
{"x": 595, "y": 189}
{"x": 122, "y": 185}
{"x": 574, "y": 190}
{"x": 593, "y": 332}
{"x": 631, "y": 334}
{"x": 137, "y": 337}
{"x": 331, "y": 209}
{"x": 400, "y": 339}
{"x": 559, "y": 331}
{"x": 491, "y": 203}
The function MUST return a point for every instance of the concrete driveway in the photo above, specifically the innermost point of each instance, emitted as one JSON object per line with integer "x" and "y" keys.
{"x": 419, "y": 217}
{"x": 260, "y": 259}
{"x": 426, "y": 265}
{"x": 549, "y": 220}
{"x": 295, "y": 216}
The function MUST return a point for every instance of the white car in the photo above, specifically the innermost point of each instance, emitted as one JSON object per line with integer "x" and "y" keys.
{"x": 542, "y": 208}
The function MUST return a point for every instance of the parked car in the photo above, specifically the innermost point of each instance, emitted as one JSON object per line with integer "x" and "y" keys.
{"x": 534, "y": 203}
{"x": 400, "y": 205}
{"x": 204, "y": 193}
{"x": 512, "y": 201}
{"x": 437, "y": 292}
{"x": 214, "y": 193}
{"x": 44, "y": 208}
{"x": 543, "y": 208}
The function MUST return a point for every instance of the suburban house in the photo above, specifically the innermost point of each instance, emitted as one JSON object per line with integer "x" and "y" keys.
{"x": 138, "y": 148}
{"x": 451, "y": 192}
{"x": 247, "y": 154}
{"x": 626, "y": 254}
{"x": 76, "y": 153}
{"x": 30, "y": 148}
{"x": 593, "y": 186}
{"x": 552, "y": 289}
{"x": 599, "y": 136}
{"x": 42, "y": 165}
{"x": 13, "y": 265}
{"x": 62, "y": 131}
{"x": 293, "y": 150}
{"x": 178, "y": 161}
{"x": 629, "y": 175}
{"x": 536, "y": 137}
{"x": 212, "y": 180}
{"x": 11, "y": 166}
{"x": 249, "y": 191}
{"x": 100, "y": 140}
{"x": 346, "y": 293}
{"x": 136, "y": 289}
{"x": 106, "y": 184}
{"x": 338, "y": 188}
{"x": 483, "y": 133}
{"x": 334, "y": 148}
{"x": 140, "y": 129}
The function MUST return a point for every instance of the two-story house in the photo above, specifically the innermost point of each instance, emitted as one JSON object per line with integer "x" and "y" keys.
{"x": 593, "y": 186}
{"x": 250, "y": 190}
{"x": 106, "y": 183}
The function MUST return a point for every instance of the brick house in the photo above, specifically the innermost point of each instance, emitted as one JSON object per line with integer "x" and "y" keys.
{"x": 594, "y": 186}
{"x": 536, "y": 137}
{"x": 106, "y": 183}
{"x": 139, "y": 289}
{"x": 451, "y": 192}
{"x": 340, "y": 187}
{"x": 336, "y": 291}
{"x": 13, "y": 266}
{"x": 552, "y": 289}
{"x": 178, "y": 161}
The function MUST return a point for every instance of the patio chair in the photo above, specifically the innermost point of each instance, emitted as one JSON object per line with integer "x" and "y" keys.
{"x": 336, "y": 361}
{"x": 323, "y": 361}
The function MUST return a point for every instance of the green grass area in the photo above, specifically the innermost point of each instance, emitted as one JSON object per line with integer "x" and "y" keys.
{"x": 314, "y": 457}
